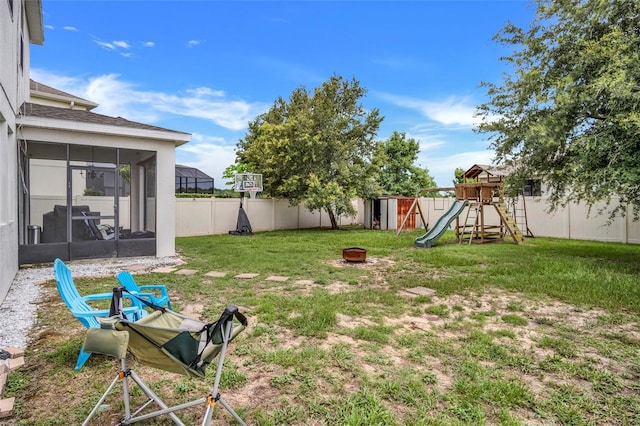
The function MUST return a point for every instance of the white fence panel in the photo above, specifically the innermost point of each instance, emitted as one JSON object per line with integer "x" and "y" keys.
{"x": 198, "y": 214}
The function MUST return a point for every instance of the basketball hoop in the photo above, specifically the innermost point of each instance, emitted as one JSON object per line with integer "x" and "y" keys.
{"x": 248, "y": 182}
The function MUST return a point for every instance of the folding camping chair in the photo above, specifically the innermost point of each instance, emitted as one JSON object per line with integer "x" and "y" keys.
{"x": 171, "y": 342}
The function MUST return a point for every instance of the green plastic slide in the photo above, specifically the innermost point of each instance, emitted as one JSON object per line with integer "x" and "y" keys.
{"x": 441, "y": 225}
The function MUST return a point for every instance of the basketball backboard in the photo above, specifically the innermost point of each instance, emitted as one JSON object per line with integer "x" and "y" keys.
{"x": 248, "y": 182}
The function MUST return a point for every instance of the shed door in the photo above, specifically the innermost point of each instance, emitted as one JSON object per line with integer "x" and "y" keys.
{"x": 404, "y": 209}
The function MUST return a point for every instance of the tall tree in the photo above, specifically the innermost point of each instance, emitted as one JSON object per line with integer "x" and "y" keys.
{"x": 316, "y": 148}
{"x": 398, "y": 173}
{"x": 569, "y": 110}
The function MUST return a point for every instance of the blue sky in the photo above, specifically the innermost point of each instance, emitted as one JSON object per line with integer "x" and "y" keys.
{"x": 209, "y": 67}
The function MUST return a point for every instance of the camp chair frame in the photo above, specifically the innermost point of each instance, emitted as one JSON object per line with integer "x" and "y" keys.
{"x": 211, "y": 400}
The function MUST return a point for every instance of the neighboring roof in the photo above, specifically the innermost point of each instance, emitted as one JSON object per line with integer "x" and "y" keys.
{"x": 190, "y": 172}
{"x": 33, "y": 10}
{"x": 47, "y": 92}
{"x": 82, "y": 116}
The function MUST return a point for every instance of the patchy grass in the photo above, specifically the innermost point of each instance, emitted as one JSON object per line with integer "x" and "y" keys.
{"x": 543, "y": 333}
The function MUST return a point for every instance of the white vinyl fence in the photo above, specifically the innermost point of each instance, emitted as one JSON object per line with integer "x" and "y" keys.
{"x": 208, "y": 216}
{"x": 572, "y": 222}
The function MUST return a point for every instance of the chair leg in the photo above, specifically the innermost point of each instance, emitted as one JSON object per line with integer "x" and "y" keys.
{"x": 82, "y": 358}
{"x": 215, "y": 395}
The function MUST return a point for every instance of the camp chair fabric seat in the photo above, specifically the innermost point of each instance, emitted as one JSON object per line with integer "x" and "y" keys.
{"x": 170, "y": 341}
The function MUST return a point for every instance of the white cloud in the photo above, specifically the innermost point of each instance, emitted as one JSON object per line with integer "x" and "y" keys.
{"x": 49, "y": 27}
{"x": 149, "y": 44}
{"x": 105, "y": 44}
{"x": 193, "y": 43}
{"x": 117, "y": 97}
{"x": 121, "y": 44}
{"x": 450, "y": 112}
{"x": 206, "y": 91}
{"x": 70, "y": 28}
{"x": 209, "y": 154}
{"x": 443, "y": 168}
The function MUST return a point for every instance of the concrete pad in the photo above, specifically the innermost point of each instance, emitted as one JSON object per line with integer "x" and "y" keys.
{"x": 421, "y": 291}
{"x": 164, "y": 270}
{"x": 186, "y": 272}
{"x": 15, "y": 352}
{"x": 135, "y": 268}
{"x": 6, "y": 407}
{"x": 16, "y": 363}
{"x": 246, "y": 276}
{"x": 277, "y": 278}
{"x": 215, "y": 274}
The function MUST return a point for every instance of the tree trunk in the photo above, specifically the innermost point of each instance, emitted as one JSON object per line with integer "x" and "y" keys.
{"x": 332, "y": 217}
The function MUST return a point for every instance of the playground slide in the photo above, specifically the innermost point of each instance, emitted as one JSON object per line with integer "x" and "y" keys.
{"x": 441, "y": 225}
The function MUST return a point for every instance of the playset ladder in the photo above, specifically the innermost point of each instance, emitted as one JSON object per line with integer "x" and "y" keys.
{"x": 509, "y": 222}
{"x": 472, "y": 221}
{"x": 520, "y": 215}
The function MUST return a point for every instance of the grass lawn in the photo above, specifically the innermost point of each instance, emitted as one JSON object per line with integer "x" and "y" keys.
{"x": 543, "y": 333}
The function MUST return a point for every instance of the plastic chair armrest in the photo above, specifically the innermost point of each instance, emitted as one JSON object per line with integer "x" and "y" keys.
{"x": 160, "y": 287}
{"x": 101, "y": 312}
{"x": 97, "y": 296}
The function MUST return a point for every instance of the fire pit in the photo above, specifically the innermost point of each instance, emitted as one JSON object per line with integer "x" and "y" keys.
{"x": 354, "y": 254}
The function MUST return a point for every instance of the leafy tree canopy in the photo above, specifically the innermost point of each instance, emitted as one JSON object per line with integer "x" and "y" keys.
{"x": 569, "y": 110}
{"x": 235, "y": 169}
{"x": 458, "y": 175}
{"x": 398, "y": 174}
{"x": 316, "y": 148}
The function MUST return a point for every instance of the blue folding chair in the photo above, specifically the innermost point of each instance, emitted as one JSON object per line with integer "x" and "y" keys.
{"x": 79, "y": 307}
{"x": 146, "y": 292}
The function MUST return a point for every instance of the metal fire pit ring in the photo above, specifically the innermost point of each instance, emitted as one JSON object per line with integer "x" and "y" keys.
{"x": 354, "y": 254}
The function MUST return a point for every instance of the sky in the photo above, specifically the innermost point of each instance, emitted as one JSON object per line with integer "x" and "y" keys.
{"x": 208, "y": 68}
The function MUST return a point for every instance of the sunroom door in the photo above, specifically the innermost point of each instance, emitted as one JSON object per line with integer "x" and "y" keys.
{"x": 93, "y": 192}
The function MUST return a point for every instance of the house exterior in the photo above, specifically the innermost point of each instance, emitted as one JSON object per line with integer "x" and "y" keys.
{"x": 51, "y": 145}
{"x": 134, "y": 216}
{"x": 20, "y": 26}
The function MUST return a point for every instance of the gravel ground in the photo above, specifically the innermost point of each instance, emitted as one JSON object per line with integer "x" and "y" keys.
{"x": 18, "y": 310}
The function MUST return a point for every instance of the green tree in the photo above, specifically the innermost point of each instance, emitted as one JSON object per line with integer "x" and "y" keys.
{"x": 315, "y": 148}
{"x": 230, "y": 172}
{"x": 458, "y": 175}
{"x": 569, "y": 110}
{"x": 398, "y": 174}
